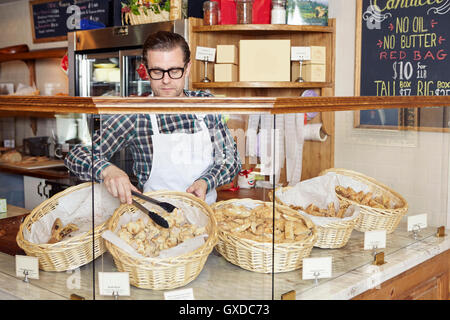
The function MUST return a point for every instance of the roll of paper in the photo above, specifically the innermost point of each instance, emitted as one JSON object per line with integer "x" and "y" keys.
{"x": 314, "y": 132}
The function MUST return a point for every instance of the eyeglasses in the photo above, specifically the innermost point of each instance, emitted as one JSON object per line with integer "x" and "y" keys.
{"x": 158, "y": 74}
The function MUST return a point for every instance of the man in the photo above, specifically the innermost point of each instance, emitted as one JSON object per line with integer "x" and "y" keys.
{"x": 182, "y": 152}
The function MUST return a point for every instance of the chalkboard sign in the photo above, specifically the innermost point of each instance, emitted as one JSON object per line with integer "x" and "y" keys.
{"x": 51, "y": 20}
{"x": 404, "y": 47}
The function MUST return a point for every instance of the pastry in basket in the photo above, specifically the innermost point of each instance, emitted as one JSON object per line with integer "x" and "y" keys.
{"x": 330, "y": 212}
{"x": 258, "y": 223}
{"x": 366, "y": 199}
{"x": 148, "y": 238}
{"x": 59, "y": 232}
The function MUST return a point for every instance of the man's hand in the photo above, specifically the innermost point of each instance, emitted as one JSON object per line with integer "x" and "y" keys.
{"x": 118, "y": 183}
{"x": 198, "y": 188}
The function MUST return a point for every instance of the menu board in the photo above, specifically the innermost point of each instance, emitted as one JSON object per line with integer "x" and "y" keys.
{"x": 51, "y": 20}
{"x": 404, "y": 51}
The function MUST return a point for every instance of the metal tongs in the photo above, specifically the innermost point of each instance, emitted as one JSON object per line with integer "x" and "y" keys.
{"x": 155, "y": 217}
{"x": 165, "y": 205}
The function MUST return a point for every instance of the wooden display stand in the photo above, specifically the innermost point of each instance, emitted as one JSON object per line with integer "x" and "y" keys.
{"x": 317, "y": 155}
{"x": 427, "y": 281}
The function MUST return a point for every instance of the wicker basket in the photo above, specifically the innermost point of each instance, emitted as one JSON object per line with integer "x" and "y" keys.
{"x": 331, "y": 236}
{"x": 166, "y": 273}
{"x": 258, "y": 256}
{"x": 67, "y": 254}
{"x": 374, "y": 218}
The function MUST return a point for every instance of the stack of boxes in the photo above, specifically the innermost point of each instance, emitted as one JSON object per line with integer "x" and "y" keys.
{"x": 266, "y": 60}
{"x": 314, "y": 70}
{"x": 226, "y": 67}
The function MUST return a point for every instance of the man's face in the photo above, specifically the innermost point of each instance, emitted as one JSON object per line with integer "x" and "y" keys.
{"x": 165, "y": 60}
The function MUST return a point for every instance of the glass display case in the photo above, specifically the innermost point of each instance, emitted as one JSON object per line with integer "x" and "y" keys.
{"x": 256, "y": 236}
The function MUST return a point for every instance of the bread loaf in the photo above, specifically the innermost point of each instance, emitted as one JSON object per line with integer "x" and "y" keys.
{"x": 11, "y": 157}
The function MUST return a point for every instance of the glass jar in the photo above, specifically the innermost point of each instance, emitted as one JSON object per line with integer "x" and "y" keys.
{"x": 210, "y": 13}
{"x": 278, "y": 13}
{"x": 244, "y": 11}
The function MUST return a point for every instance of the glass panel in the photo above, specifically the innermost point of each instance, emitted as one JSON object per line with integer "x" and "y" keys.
{"x": 405, "y": 171}
{"x": 135, "y": 77}
{"x": 98, "y": 74}
{"x": 176, "y": 162}
{"x": 50, "y": 210}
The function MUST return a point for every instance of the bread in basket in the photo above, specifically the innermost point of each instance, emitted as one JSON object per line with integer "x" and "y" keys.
{"x": 174, "y": 264}
{"x": 72, "y": 206}
{"x": 250, "y": 237}
{"x": 384, "y": 214}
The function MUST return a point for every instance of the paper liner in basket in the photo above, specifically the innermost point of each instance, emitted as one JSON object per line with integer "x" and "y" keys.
{"x": 319, "y": 191}
{"x": 191, "y": 214}
{"x": 75, "y": 207}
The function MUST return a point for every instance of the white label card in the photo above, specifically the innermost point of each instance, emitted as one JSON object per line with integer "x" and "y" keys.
{"x": 27, "y": 264}
{"x": 317, "y": 268}
{"x": 204, "y": 53}
{"x": 182, "y": 294}
{"x": 112, "y": 283}
{"x": 417, "y": 221}
{"x": 300, "y": 53}
{"x": 374, "y": 239}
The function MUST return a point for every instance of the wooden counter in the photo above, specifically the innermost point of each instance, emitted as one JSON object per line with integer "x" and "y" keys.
{"x": 48, "y": 173}
{"x": 353, "y": 274}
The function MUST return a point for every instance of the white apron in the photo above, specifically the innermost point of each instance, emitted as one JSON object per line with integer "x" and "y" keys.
{"x": 179, "y": 159}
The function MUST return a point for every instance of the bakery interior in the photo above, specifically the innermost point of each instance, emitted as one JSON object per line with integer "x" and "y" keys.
{"x": 55, "y": 90}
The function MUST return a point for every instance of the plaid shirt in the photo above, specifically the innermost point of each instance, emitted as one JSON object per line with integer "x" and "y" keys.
{"x": 135, "y": 131}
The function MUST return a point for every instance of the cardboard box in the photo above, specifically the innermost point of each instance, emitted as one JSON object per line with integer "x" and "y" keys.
{"x": 264, "y": 60}
{"x": 225, "y": 72}
{"x": 227, "y": 54}
{"x": 318, "y": 54}
{"x": 314, "y": 72}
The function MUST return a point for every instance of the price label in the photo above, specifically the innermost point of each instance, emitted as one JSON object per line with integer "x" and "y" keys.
{"x": 204, "y": 53}
{"x": 374, "y": 239}
{"x": 182, "y": 294}
{"x": 26, "y": 265}
{"x": 300, "y": 53}
{"x": 317, "y": 268}
{"x": 112, "y": 283}
{"x": 417, "y": 222}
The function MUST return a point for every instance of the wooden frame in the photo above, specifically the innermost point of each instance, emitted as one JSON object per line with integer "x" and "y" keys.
{"x": 50, "y": 39}
{"x": 407, "y": 119}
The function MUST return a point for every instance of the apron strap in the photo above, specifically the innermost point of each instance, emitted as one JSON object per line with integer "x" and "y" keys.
{"x": 155, "y": 128}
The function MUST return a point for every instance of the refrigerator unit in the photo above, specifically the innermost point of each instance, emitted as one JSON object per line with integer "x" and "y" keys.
{"x": 103, "y": 62}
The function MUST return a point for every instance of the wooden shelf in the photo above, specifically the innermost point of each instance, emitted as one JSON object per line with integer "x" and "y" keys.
{"x": 261, "y": 84}
{"x": 35, "y": 54}
{"x": 30, "y": 57}
{"x": 262, "y": 27}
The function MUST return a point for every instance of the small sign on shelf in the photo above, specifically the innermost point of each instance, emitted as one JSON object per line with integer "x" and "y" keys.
{"x": 114, "y": 284}
{"x": 182, "y": 294}
{"x": 27, "y": 267}
{"x": 375, "y": 239}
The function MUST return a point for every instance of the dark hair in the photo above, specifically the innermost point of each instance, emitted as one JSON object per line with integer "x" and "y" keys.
{"x": 165, "y": 40}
